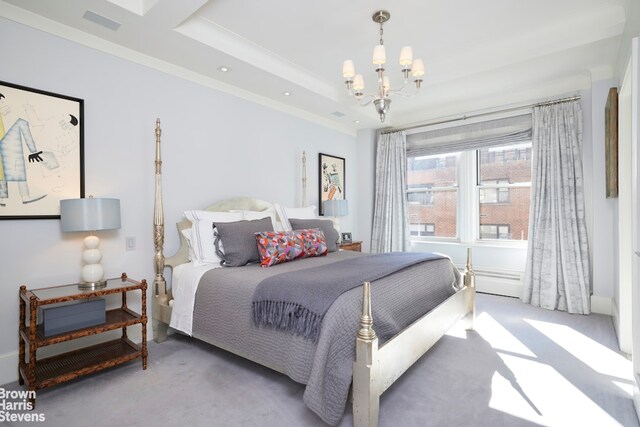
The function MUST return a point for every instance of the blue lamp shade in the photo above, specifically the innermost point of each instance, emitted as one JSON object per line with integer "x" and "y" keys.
{"x": 335, "y": 207}
{"x": 90, "y": 214}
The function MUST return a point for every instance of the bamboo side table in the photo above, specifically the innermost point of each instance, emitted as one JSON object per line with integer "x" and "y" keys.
{"x": 39, "y": 374}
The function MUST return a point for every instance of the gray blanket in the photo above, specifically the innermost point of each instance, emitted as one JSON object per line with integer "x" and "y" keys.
{"x": 297, "y": 301}
{"x": 222, "y": 317}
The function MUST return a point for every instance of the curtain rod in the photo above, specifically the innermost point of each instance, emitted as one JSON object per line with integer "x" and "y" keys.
{"x": 472, "y": 116}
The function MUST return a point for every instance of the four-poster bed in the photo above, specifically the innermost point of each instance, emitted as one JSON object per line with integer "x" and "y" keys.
{"x": 374, "y": 367}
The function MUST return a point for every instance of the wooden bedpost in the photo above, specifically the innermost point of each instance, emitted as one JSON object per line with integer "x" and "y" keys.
{"x": 366, "y": 393}
{"x": 469, "y": 280}
{"x": 159, "y": 284}
{"x": 304, "y": 179}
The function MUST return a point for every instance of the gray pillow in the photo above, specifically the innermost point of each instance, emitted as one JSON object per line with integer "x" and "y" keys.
{"x": 326, "y": 225}
{"x": 239, "y": 241}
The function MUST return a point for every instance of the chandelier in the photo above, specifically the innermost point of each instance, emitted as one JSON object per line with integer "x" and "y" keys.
{"x": 355, "y": 82}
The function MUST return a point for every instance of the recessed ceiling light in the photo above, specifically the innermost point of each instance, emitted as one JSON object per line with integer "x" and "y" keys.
{"x": 356, "y": 121}
{"x": 224, "y": 69}
{"x": 286, "y": 93}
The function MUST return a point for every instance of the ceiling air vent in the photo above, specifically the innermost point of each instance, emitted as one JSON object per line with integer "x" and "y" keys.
{"x": 338, "y": 114}
{"x": 101, "y": 20}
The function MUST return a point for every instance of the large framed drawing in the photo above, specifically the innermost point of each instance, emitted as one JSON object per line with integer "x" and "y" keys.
{"x": 41, "y": 152}
{"x": 331, "y": 179}
{"x": 611, "y": 143}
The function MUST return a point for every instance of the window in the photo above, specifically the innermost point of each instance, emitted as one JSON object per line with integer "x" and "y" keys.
{"x": 494, "y": 231}
{"x": 432, "y": 195}
{"x": 494, "y": 194}
{"x": 478, "y": 194}
{"x": 504, "y": 191}
{"x": 422, "y": 229}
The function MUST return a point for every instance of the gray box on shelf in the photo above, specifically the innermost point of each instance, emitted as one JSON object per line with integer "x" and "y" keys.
{"x": 65, "y": 317}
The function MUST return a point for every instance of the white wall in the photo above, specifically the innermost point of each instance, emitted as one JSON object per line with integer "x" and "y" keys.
{"x": 366, "y": 186}
{"x": 604, "y": 222}
{"x": 214, "y": 146}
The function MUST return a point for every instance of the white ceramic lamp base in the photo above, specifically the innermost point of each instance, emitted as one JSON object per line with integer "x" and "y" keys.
{"x": 92, "y": 272}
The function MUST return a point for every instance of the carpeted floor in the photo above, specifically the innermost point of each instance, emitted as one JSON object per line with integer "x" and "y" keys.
{"x": 522, "y": 366}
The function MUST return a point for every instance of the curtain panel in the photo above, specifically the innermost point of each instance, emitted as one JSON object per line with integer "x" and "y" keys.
{"x": 557, "y": 270}
{"x": 390, "y": 220}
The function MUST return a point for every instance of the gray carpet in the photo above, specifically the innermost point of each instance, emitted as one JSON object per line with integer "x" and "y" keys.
{"x": 522, "y": 366}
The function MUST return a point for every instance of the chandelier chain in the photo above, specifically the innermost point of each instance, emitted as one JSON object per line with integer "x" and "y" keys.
{"x": 381, "y": 34}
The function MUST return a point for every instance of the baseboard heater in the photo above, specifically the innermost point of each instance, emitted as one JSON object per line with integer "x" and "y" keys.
{"x": 498, "y": 282}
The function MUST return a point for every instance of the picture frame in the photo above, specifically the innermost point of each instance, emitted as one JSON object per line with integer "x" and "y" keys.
{"x": 611, "y": 143}
{"x": 41, "y": 151}
{"x": 331, "y": 179}
{"x": 346, "y": 237}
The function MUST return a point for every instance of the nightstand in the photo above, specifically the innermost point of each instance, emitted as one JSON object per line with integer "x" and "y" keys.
{"x": 47, "y": 372}
{"x": 353, "y": 246}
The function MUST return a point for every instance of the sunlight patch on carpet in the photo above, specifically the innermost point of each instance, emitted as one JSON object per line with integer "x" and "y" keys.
{"x": 598, "y": 357}
{"x": 538, "y": 393}
{"x": 498, "y": 336}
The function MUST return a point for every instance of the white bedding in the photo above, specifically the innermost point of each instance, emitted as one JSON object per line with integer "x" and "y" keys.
{"x": 184, "y": 284}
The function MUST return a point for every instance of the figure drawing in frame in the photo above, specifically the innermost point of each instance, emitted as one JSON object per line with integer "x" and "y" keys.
{"x": 332, "y": 185}
{"x": 40, "y": 152}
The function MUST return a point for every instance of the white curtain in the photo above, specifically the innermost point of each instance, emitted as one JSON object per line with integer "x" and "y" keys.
{"x": 390, "y": 221}
{"x": 557, "y": 271}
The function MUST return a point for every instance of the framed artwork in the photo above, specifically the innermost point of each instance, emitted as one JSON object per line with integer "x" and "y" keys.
{"x": 611, "y": 143}
{"x": 41, "y": 152}
{"x": 332, "y": 174}
{"x": 346, "y": 237}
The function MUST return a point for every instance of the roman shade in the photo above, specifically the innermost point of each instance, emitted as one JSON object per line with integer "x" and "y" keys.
{"x": 472, "y": 136}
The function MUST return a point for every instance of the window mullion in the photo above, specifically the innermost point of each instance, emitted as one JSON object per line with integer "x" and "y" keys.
{"x": 466, "y": 189}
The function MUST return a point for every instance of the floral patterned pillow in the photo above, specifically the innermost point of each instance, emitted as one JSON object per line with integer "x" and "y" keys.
{"x": 276, "y": 247}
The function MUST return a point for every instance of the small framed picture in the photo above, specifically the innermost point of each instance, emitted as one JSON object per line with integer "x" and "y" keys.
{"x": 346, "y": 237}
{"x": 331, "y": 179}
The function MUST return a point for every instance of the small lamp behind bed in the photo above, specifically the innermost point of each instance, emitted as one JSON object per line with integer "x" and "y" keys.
{"x": 334, "y": 209}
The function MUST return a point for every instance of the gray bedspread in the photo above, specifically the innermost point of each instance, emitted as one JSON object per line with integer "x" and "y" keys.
{"x": 222, "y": 317}
{"x": 296, "y": 301}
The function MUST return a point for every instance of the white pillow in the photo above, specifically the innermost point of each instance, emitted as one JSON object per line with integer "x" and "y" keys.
{"x": 298, "y": 213}
{"x": 187, "y": 236}
{"x": 202, "y": 237}
{"x": 253, "y": 215}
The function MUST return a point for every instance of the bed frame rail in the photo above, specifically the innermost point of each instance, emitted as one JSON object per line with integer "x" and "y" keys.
{"x": 375, "y": 369}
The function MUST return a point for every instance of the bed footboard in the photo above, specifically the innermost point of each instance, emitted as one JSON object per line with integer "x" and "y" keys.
{"x": 375, "y": 369}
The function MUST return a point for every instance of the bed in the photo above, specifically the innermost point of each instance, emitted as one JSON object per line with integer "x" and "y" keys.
{"x": 331, "y": 366}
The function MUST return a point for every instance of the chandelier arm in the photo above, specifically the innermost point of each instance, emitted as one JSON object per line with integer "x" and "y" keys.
{"x": 373, "y": 98}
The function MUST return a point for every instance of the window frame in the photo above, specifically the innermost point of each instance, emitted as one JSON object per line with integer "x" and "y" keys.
{"x": 468, "y": 205}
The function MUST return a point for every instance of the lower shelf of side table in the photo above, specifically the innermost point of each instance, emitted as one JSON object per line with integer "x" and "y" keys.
{"x": 67, "y": 366}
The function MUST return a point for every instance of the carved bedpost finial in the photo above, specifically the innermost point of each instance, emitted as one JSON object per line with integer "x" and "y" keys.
{"x": 366, "y": 331}
{"x": 304, "y": 179}
{"x": 469, "y": 275}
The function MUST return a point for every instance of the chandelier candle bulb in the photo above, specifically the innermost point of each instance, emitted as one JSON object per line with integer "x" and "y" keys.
{"x": 385, "y": 84}
{"x": 406, "y": 56}
{"x": 348, "y": 70}
{"x": 379, "y": 55}
{"x": 358, "y": 83}
{"x": 418, "y": 68}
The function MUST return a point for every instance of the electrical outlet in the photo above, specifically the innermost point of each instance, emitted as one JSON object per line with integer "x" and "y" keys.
{"x": 131, "y": 243}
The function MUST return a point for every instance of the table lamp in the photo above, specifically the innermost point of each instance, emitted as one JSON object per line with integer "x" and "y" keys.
{"x": 90, "y": 214}
{"x": 335, "y": 208}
